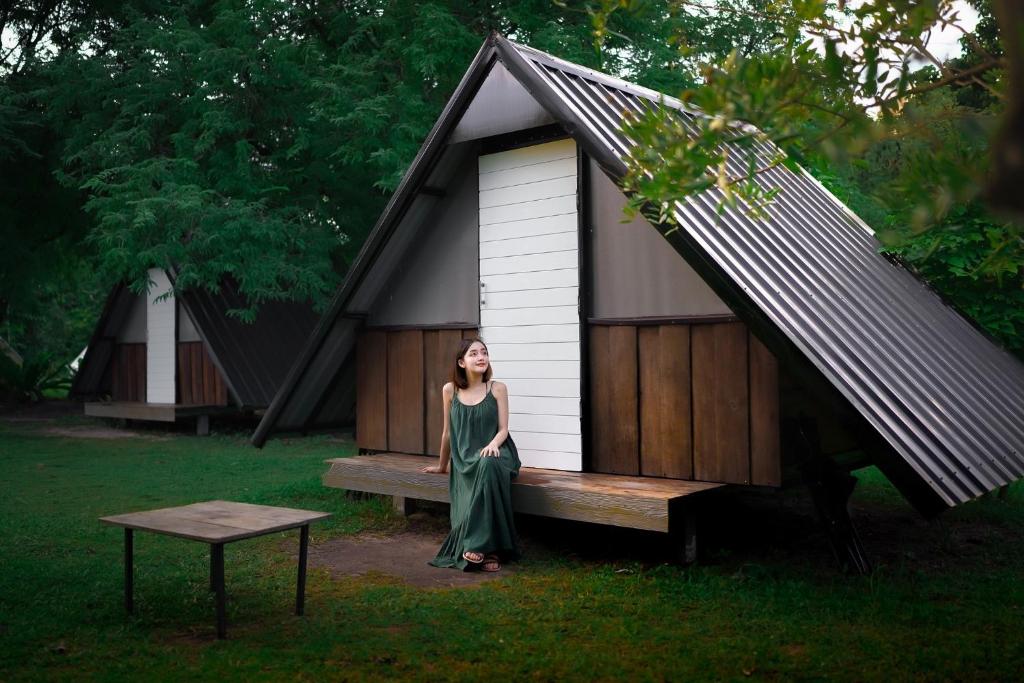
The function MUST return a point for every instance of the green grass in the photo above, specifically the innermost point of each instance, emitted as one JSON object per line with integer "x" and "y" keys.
{"x": 946, "y": 602}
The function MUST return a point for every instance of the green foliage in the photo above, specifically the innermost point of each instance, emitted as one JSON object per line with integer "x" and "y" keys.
{"x": 197, "y": 150}
{"x": 257, "y": 140}
{"x": 39, "y": 376}
{"x": 843, "y": 93}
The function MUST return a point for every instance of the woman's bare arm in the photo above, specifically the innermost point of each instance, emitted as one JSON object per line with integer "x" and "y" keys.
{"x": 446, "y": 446}
{"x": 500, "y": 392}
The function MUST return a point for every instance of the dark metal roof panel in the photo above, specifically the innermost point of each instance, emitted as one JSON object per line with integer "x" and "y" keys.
{"x": 942, "y": 394}
{"x": 89, "y": 381}
{"x": 254, "y": 358}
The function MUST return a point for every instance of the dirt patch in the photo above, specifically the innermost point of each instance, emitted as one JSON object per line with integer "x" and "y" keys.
{"x": 100, "y": 432}
{"x": 403, "y": 556}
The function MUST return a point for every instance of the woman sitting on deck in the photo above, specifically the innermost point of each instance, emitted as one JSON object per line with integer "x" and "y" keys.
{"x": 484, "y": 460}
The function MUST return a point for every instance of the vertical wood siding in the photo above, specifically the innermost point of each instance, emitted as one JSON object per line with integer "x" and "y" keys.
{"x": 399, "y": 377}
{"x": 405, "y": 391}
{"x": 161, "y": 339}
{"x": 439, "y": 348}
{"x": 128, "y": 373}
{"x": 665, "y": 427}
{"x": 199, "y": 382}
{"x": 529, "y": 310}
{"x": 721, "y": 405}
{"x": 613, "y": 387}
{"x": 684, "y": 401}
{"x": 372, "y": 390}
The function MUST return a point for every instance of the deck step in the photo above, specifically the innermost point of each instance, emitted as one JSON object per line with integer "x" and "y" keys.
{"x": 617, "y": 500}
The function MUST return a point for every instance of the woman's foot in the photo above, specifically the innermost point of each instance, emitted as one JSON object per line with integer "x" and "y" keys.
{"x": 491, "y": 564}
{"x": 473, "y": 557}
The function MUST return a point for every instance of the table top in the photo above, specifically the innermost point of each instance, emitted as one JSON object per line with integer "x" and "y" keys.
{"x": 216, "y": 521}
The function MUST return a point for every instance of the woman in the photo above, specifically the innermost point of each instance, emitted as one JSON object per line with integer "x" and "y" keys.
{"x": 484, "y": 460}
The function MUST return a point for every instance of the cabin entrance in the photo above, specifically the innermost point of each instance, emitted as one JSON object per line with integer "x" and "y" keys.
{"x": 529, "y": 295}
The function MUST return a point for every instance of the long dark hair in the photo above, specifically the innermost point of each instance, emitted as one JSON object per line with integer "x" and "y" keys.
{"x": 459, "y": 373}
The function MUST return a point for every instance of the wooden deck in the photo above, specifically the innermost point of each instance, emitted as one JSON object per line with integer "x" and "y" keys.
{"x": 617, "y": 500}
{"x": 156, "y": 412}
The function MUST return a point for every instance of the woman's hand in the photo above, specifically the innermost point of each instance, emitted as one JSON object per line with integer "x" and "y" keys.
{"x": 490, "y": 450}
{"x": 432, "y": 469}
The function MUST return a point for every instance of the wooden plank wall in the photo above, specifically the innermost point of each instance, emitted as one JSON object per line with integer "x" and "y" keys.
{"x": 685, "y": 401}
{"x": 199, "y": 382}
{"x": 399, "y": 376}
{"x": 128, "y": 375}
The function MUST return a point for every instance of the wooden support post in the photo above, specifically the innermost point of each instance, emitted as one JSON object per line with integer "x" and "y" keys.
{"x": 300, "y": 584}
{"x": 690, "y": 538}
{"x": 202, "y": 425}
{"x": 220, "y": 597}
{"x": 129, "y": 598}
{"x": 683, "y": 534}
{"x": 403, "y": 506}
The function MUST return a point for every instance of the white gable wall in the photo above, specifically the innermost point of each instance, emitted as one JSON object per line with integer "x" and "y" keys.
{"x": 501, "y": 105}
{"x": 160, "y": 341}
{"x": 529, "y": 310}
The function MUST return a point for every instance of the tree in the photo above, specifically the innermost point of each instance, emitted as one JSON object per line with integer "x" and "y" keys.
{"x": 842, "y": 89}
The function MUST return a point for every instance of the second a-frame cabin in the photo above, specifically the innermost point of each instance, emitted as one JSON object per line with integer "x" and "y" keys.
{"x": 644, "y": 368}
{"x": 157, "y": 357}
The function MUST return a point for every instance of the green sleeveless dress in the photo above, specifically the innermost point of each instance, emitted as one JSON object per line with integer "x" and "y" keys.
{"x": 480, "y": 488}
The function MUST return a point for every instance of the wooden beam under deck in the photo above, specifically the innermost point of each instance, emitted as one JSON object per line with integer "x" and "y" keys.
{"x": 154, "y": 412}
{"x": 617, "y": 500}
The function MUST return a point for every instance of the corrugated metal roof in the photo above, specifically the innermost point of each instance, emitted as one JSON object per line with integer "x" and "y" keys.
{"x": 942, "y": 394}
{"x": 946, "y": 399}
{"x": 254, "y": 358}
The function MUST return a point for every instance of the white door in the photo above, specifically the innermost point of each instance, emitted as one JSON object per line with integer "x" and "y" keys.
{"x": 529, "y": 296}
{"x": 160, "y": 341}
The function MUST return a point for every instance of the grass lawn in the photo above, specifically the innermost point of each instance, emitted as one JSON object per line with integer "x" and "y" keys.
{"x": 945, "y": 603}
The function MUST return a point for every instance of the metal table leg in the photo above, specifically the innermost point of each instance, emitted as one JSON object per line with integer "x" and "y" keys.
{"x": 300, "y": 589}
{"x": 129, "y": 603}
{"x": 217, "y": 576}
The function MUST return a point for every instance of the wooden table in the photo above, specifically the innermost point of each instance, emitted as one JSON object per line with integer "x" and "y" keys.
{"x": 217, "y": 522}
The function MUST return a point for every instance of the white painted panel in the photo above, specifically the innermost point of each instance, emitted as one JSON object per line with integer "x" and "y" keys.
{"x": 501, "y": 105}
{"x": 532, "y": 333}
{"x": 544, "y": 405}
{"x": 562, "y": 443}
{"x": 553, "y": 424}
{"x": 546, "y": 225}
{"x": 557, "y": 296}
{"x": 545, "y": 170}
{"x": 568, "y": 462}
{"x": 529, "y": 245}
{"x": 553, "y": 260}
{"x": 160, "y": 340}
{"x": 530, "y": 295}
{"x": 529, "y": 192}
{"x": 506, "y": 317}
{"x": 527, "y": 156}
{"x": 552, "y": 351}
{"x": 518, "y": 282}
{"x": 528, "y": 210}
{"x": 558, "y": 388}
{"x": 541, "y": 369}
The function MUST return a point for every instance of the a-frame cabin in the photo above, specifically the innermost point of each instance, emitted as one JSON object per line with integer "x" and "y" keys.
{"x": 160, "y": 358}
{"x": 731, "y": 351}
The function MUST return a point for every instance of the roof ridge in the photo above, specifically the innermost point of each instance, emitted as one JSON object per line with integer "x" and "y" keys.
{"x": 605, "y": 78}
